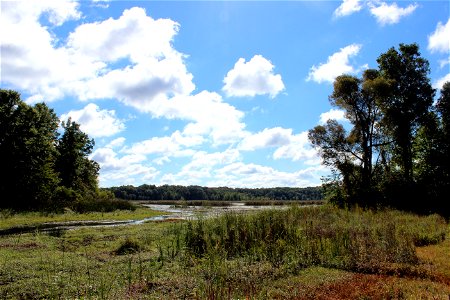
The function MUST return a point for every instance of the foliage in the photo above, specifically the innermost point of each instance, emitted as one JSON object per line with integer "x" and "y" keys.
{"x": 396, "y": 151}
{"x": 176, "y": 192}
{"x": 408, "y": 106}
{"x": 27, "y": 153}
{"x": 41, "y": 170}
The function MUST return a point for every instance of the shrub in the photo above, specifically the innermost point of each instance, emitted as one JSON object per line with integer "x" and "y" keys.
{"x": 101, "y": 204}
{"x": 128, "y": 246}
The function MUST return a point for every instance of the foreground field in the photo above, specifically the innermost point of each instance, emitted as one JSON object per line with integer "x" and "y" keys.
{"x": 300, "y": 253}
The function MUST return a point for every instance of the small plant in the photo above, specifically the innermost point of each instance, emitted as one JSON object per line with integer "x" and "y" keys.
{"x": 128, "y": 246}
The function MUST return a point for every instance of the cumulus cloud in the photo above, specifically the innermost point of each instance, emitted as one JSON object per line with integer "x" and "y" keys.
{"x": 255, "y": 77}
{"x": 439, "y": 40}
{"x": 130, "y": 58}
{"x": 337, "y": 64}
{"x": 253, "y": 175}
{"x": 298, "y": 148}
{"x": 118, "y": 142}
{"x": 29, "y": 59}
{"x": 348, "y": 7}
{"x": 387, "y": 14}
{"x": 174, "y": 145}
{"x": 440, "y": 82}
{"x": 207, "y": 113}
{"x": 201, "y": 167}
{"x": 128, "y": 169}
{"x": 336, "y": 114}
{"x": 94, "y": 121}
{"x": 269, "y": 137}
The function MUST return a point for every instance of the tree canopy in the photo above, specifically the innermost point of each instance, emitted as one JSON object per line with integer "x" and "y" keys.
{"x": 396, "y": 150}
{"x": 41, "y": 169}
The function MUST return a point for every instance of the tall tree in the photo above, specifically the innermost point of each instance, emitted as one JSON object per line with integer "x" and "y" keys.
{"x": 352, "y": 154}
{"x": 409, "y": 104}
{"x": 27, "y": 152}
{"x": 77, "y": 171}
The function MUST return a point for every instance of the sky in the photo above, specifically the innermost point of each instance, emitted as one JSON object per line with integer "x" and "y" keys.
{"x": 210, "y": 93}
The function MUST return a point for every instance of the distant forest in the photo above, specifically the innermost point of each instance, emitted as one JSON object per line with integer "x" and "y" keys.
{"x": 177, "y": 192}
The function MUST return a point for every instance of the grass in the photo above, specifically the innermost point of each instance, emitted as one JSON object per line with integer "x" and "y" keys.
{"x": 8, "y": 219}
{"x": 305, "y": 255}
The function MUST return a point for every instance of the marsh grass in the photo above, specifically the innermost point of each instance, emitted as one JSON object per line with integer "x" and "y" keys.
{"x": 263, "y": 255}
{"x": 319, "y": 236}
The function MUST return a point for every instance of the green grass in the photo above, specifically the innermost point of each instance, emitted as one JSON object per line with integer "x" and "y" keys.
{"x": 8, "y": 219}
{"x": 253, "y": 256}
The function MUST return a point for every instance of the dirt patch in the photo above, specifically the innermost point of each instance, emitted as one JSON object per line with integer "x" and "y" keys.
{"x": 359, "y": 286}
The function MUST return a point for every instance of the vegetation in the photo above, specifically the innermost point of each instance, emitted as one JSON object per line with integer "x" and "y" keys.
{"x": 9, "y": 219}
{"x": 42, "y": 170}
{"x": 301, "y": 253}
{"x": 176, "y": 192}
{"x": 396, "y": 151}
{"x": 393, "y": 153}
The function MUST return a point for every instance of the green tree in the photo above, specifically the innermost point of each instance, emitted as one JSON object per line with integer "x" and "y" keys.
{"x": 27, "y": 153}
{"x": 409, "y": 104}
{"x": 76, "y": 170}
{"x": 352, "y": 154}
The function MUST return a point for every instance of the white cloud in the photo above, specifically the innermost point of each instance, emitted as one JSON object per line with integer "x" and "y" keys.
{"x": 29, "y": 59}
{"x": 439, "y": 40}
{"x": 201, "y": 167}
{"x": 348, "y": 7}
{"x": 440, "y": 82}
{"x": 118, "y": 142}
{"x": 208, "y": 114}
{"x": 128, "y": 169}
{"x": 386, "y": 14}
{"x": 337, "y": 64}
{"x": 256, "y": 176}
{"x": 133, "y": 35}
{"x": 95, "y": 122}
{"x": 299, "y": 148}
{"x": 174, "y": 145}
{"x": 269, "y": 137}
{"x": 336, "y": 114}
{"x": 130, "y": 58}
{"x": 252, "y": 78}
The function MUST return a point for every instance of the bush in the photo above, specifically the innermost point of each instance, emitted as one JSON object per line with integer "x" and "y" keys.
{"x": 128, "y": 246}
{"x": 102, "y": 205}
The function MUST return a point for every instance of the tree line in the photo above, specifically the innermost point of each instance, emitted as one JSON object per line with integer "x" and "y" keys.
{"x": 42, "y": 169}
{"x": 193, "y": 192}
{"x": 396, "y": 149}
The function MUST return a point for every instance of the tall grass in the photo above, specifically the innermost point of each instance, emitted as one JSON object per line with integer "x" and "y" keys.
{"x": 315, "y": 236}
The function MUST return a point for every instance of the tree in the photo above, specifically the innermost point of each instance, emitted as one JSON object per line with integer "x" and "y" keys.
{"x": 27, "y": 152}
{"x": 352, "y": 154}
{"x": 76, "y": 170}
{"x": 408, "y": 106}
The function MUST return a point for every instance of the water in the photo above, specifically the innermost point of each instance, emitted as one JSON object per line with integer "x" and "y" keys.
{"x": 169, "y": 212}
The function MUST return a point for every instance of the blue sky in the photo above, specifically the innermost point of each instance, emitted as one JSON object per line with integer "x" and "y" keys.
{"x": 206, "y": 92}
